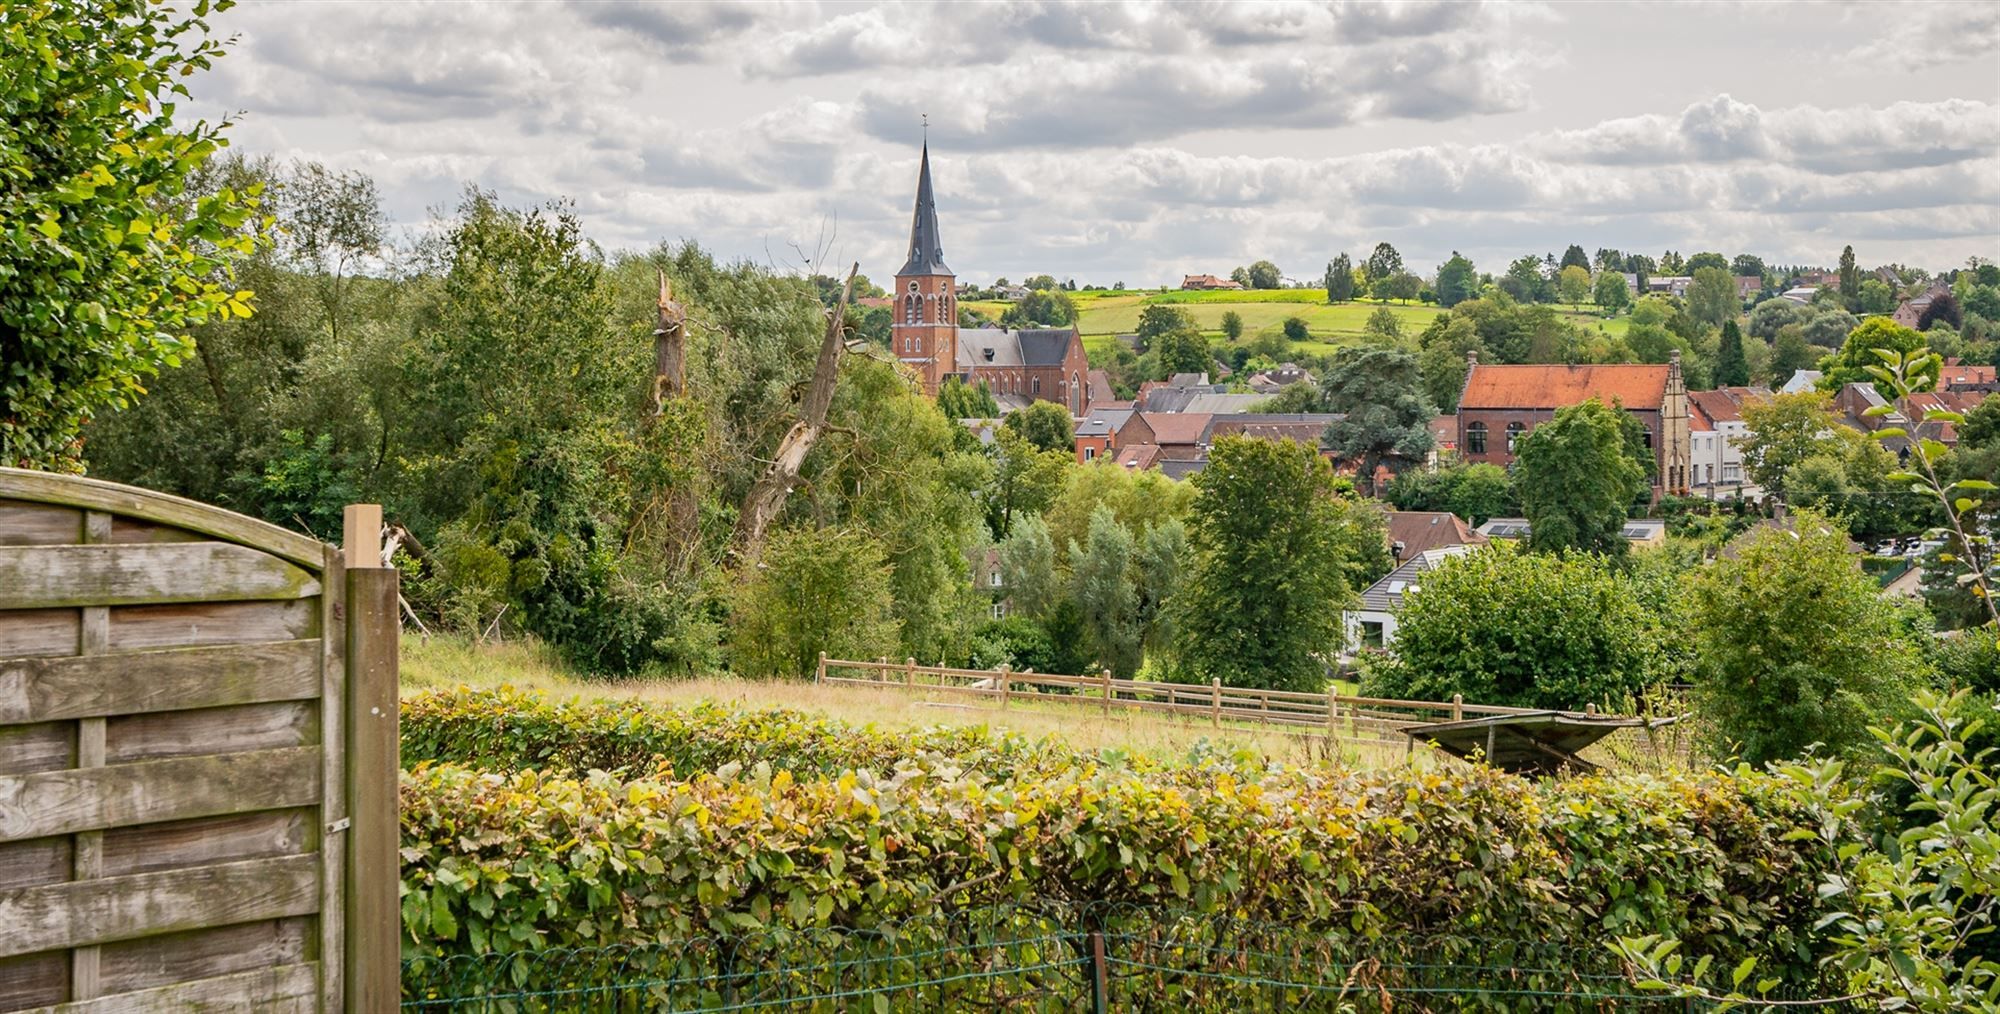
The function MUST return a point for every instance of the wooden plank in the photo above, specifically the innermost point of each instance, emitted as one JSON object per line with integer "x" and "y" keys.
{"x": 38, "y": 524}
{"x": 34, "y": 690}
{"x": 93, "y": 494}
{"x": 136, "y": 627}
{"x": 183, "y": 788}
{"x": 37, "y": 577}
{"x": 332, "y": 922}
{"x": 31, "y": 632}
{"x": 129, "y": 531}
{"x": 212, "y": 730}
{"x": 28, "y": 981}
{"x": 45, "y": 746}
{"x": 37, "y": 861}
{"x": 200, "y": 954}
{"x": 148, "y": 847}
{"x": 279, "y": 990}
{"x": 123, "y": 908}
{"x": 374, "y": 867}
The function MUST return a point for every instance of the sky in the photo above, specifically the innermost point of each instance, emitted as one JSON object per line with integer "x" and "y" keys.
{"x": 1109, "y": 142}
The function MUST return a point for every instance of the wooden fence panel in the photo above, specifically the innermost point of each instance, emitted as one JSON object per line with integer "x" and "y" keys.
{"x": 175, "y": 768}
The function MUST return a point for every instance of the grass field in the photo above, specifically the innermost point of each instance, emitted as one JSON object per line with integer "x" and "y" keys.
{"x": 448, "y": 662}
{"x": 1112, "y": 313}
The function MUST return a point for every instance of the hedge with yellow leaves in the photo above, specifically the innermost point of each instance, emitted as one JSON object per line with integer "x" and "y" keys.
{"x": 525, "y": 860}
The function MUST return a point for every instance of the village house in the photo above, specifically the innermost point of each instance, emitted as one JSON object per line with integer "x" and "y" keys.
{"x": 1036, "y": 364}
{"x": 1501, "y": 404}
{"x": 1199, "y": 283}
{"x": 1715, "y": 428}
{"x": 1911, "y": 310}
{"x": 1413, "y": 532}
{"x": 1371, "y": 625}
{"x": 1957, "y": 376}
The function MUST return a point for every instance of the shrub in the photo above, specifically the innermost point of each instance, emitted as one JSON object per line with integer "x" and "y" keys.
{"x": 528, "y": 861}
{"x": 1504, "y": 626}
{"x": 508, "y": 729}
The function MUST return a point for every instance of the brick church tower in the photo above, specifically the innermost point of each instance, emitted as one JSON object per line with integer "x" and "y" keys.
{"x": 925, "y": 333}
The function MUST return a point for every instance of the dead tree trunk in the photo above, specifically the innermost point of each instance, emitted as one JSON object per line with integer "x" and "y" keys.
{"x": 767, "y": 498}
{"x": 669, "y": 350}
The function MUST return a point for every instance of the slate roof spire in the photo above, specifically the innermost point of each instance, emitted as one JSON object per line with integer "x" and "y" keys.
{"x": 926, "y": 250}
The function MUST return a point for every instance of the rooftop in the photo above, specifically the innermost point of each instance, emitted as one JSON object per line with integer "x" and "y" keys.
{"x": 1556, "y": 386}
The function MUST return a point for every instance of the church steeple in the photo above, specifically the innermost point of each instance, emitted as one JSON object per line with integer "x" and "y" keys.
{"x": 926, "y": 249}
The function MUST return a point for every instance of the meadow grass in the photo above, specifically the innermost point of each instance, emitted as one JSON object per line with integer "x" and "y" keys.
{"x": 445, "y": 662}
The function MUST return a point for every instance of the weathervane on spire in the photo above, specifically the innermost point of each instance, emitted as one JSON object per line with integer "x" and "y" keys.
{"x": 927, "y": 127}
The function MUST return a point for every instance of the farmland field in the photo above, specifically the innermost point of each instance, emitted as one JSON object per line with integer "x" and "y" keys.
{"x": 1103, "y": 313}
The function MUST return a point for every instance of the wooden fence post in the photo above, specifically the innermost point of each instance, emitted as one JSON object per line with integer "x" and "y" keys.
{"x": 1003, "y": 686}
{"x": 1215, "y": 701}
{"x": 819, "y": 675}
{"x": 1107, "y": 692}
{"x": 1458, "y": 707}
{"x": 374, "y": 870}
{"x": 1332, "y": 708}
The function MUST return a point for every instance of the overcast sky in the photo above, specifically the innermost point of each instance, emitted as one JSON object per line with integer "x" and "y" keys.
{"x": 1110, "y": 142}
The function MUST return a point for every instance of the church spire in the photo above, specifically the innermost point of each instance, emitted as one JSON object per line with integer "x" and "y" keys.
{"x": 926, "y": 250}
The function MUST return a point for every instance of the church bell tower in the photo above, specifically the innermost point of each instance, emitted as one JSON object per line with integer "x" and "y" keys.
{"x": 925, "y": 332}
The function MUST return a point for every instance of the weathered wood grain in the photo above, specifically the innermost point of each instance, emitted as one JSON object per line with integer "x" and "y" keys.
{"x": 211, "y": 730}
{"x": 182, "y": 788}
{"x": 39, "y": 577}
{"x": 147, "y": 904}
{"x": 38, "y": 524}
{"x": 44, "y": 689}
{"x": 37, "y": 861}
{"x": 148, "y": 847}
{"x": 201, "y": 954}
{"x": 44, "y": 746}
{"x": 374, "y": 867}
{"x": 127, "y": 531}
{"x": 333, "y": 804}
{"x": 283, "y": 990}
{"x": 31, "y": 632}
{"x": 93, "y": 494}
{"x": 28, "y": 981}
{"x": 136, "y": 627}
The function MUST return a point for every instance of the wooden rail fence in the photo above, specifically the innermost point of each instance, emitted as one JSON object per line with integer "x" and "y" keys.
{"x": 1348, "y": 716}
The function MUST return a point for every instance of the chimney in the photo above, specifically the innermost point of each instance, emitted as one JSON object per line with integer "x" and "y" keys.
{"x": 1471, "y": 357}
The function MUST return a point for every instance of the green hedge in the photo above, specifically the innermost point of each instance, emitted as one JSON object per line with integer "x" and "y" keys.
{"x": 510, "y": 730}
{"x": 523, "y": 861}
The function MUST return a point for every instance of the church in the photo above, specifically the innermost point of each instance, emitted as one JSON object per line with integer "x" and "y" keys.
{"x": 1018, "y": 366}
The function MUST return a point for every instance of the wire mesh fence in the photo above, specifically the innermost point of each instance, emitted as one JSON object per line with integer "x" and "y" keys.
{"x": 1017, "y": 960}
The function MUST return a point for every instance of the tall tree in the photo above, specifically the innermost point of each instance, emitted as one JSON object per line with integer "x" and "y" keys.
{"x": 107, "y": 261}
{"x": 819, "y": 590}
{"x": 1747, "y": 266}
{"x": 1574, "y": 283}
{"x": 1400, "y": 285}
{"x": 1028, "y": 567}
{"x": 1340, "y": 279}
{"x": 1525, "y": 282}
{"x": 1577, "y": 478}
{"x": 1457, "y": 281}
{"x": 1387, "y": 414}
{"x": 1383, "y": 262}
{"x": 1044, "y": 424}
{"x": 1442, "y": 357}
{"x": 959, "y": 400}
{"x": 1159, "y": 319}
{"x": 1784, "y": 430}
{"x": 1101, "y": 582}
{"x": 1041, "y": 308}
{"x": 1232, "y": 325}
{"x": 1271, "y": 545}
{"x": 1851, "y": 365}
{"x": 1574, "y": 257}
{"x": 1182, "y": 350}
{"x": 1706, "y": 259}
{"x": 1711, "y": 297}
{"x": 1796, "y": 645}
{"x": 1611, "y": 291}
{"x": 1265, "y": 275}
{"x": 1732, "y": 369}
{"x": 1850, "y": 275}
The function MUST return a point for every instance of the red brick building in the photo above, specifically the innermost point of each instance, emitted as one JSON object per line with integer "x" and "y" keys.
{"x": 1035, "y": 364}
{"x": 1501, "y": 404}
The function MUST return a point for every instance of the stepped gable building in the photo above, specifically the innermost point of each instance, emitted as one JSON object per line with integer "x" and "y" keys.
{"x": 1018, "y": 366}
{"x": 1500, "y": 404}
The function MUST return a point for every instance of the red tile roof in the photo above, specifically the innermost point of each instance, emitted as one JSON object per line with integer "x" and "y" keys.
{"x": 1968, "y": 376}
{"x": 1139, "y": 455}
{"x": 1557, "y": 386}
{"x": 1177, "y": 427}
{"x": 1724, "y": 404}
{"x": 1422, "y": 531}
